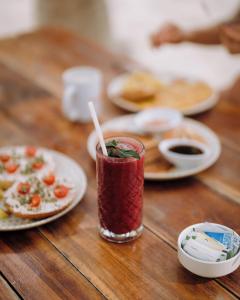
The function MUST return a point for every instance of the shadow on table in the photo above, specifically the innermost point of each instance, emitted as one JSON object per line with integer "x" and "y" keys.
{"x": 186, "y": 277}
{"x": 169, "y": 184}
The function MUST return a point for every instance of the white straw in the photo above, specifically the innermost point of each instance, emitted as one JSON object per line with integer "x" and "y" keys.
{"x": 97, "y": 127}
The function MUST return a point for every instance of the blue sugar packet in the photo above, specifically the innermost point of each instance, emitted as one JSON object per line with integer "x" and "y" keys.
{"x": 226, "y": 238}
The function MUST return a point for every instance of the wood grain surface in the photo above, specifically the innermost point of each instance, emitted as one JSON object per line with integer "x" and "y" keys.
{"x": 67, "y": 259}
{"x": 38, "y": 271}
{"x": 6, "y": 291}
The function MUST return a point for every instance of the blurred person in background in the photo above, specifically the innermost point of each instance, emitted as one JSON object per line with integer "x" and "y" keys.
{"x": 227, "y": 33}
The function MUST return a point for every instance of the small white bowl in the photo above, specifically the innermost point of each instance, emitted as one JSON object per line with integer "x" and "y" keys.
{"x": 168, "y": 119}
{"x": 184, "y": 161}
{"x": 206, "y": 268}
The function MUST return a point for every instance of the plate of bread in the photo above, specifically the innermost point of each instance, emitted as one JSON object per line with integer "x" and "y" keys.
{"x": 37, "y": 186}
{"x": 156, "y": 166}
{"x": 140, "y": 90}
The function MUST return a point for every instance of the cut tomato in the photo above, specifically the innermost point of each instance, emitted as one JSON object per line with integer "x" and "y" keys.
{"x": 11, "y": 167}
{"x": 61, "y": 191}
{"x": 4, "y": 158}
{"x": 49, "y": 179}
{"x": 35, "y": 200}
{"x": 37, "y": 165}
{"x": 30, "y": 151}
{"x": 23, "y": 188}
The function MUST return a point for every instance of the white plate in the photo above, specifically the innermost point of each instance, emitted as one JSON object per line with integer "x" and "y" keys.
{"x": 115, "y": 87}
{"x": 126, "y": 123}
{"x": 64, "y": 166}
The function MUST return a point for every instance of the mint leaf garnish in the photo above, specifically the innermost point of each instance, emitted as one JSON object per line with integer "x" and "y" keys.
{"x": 112, "y": 143}
{"x": 121, "y": 153}
{"x": 114, "y": 151}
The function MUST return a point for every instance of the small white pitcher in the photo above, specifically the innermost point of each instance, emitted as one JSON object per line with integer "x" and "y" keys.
{"x": 81, "y": 84}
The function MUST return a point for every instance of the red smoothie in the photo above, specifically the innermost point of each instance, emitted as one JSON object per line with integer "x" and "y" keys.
{"x": 120, "y": 188}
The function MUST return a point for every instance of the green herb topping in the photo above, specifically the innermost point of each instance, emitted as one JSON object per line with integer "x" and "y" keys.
{"x": 27, "y": 170}
{"x": 114, "y": 151}
{"x": 39, "y": 159}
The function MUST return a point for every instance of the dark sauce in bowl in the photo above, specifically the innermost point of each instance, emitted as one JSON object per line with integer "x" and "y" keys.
{"x": 186, "y": 150}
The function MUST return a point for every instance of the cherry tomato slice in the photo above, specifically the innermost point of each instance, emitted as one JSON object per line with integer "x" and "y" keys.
{"x": 49, "y": 179}
{"x": 35, "y": 200}
{"x": 11, "y": 167}
{"x": 37, "y": 165}
{"x": 23, "y": 188}
{"x": 30, "y": 151}
{"x": 61, "y": 191}
{"x": 4, "y": 158}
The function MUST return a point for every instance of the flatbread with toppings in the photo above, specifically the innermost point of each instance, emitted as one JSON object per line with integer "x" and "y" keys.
{"x": 140, "y": 86}
{"x": 141, "y": 90}
{"x": 37, "y": 198}
{"x": 17, "y": 163}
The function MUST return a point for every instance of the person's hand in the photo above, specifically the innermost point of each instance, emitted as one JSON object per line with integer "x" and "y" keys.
{"x": 230, "y": 37}
{"x": 169, "y": 33}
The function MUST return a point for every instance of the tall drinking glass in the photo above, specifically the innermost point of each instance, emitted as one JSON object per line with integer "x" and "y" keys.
{"x": 120, "y": 192}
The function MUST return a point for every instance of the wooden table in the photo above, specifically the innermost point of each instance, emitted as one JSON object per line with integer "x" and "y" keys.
{"x": 67, "y": 259}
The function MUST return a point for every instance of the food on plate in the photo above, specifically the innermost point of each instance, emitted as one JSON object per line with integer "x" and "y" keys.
{"x": 3, "y": 214}
{"x": 49, "y": 179}
{"x": 4, "y": 158}
{"x": 36, "y": 198}
{"x": 30, "y": 151}
{"x": 155, "y": 162}
{"x": 185, "y": 132}
{"x": 140, "y": 86}
{"x": 183, "y": 94}
{"x": 5, "y": 184}
{"x": 23, "y": 161}
{"x": 145, "y": 90}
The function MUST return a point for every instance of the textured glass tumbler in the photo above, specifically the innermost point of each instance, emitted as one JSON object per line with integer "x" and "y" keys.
{"x": 120, "y": 192}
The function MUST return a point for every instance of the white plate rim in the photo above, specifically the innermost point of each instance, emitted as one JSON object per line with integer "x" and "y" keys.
{"x": 161, "y": 176}
{"x": 78, "y": 197}
{"x": 203, "y": 106}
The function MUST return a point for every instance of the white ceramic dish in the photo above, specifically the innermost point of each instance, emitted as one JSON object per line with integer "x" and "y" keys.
{"x": 168, "y": 118}
{"x": 65, "y": 166}
{"x": 182, "y": 160}
{"x": 205, "y": 268}
{"x": 115, "y": 87}
{"x": 126, "y": 123}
